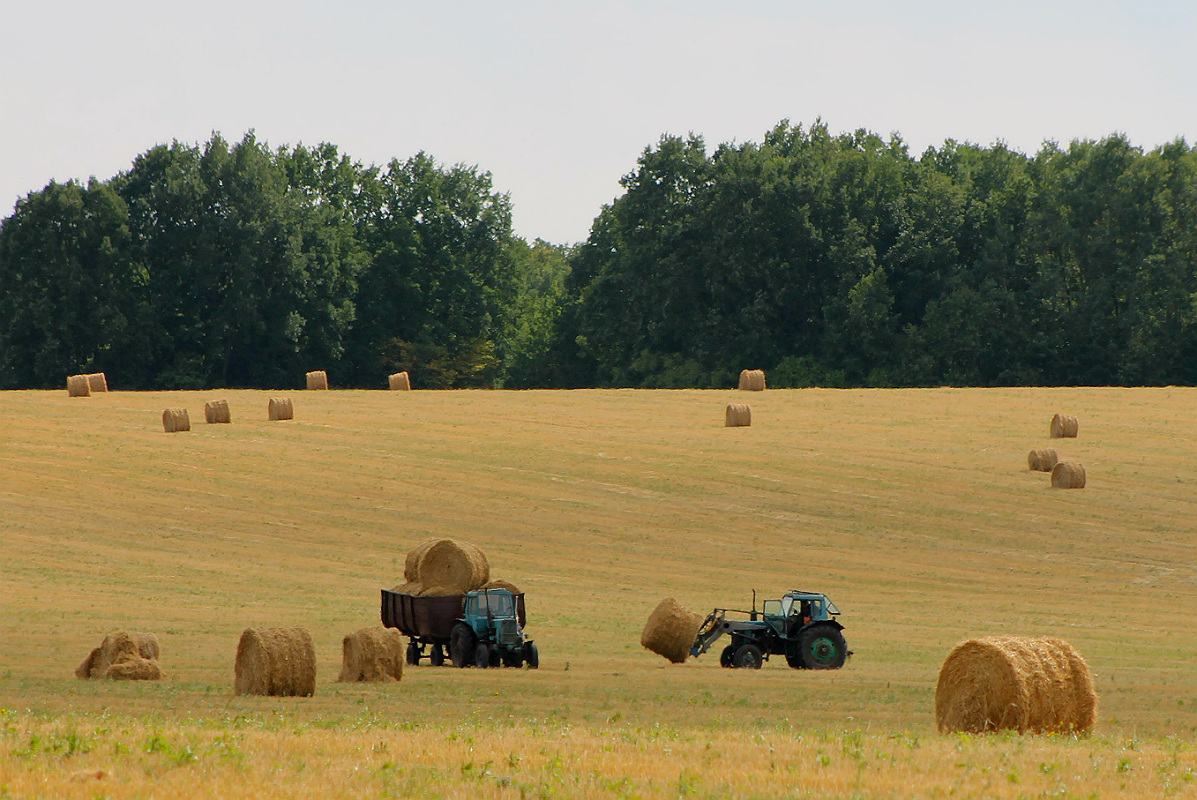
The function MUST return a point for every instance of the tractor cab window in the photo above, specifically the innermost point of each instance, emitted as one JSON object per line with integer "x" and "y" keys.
{"x": 787, "y": 606}
{"x": 771, "y": 608}
{"x": 501, "y": 604}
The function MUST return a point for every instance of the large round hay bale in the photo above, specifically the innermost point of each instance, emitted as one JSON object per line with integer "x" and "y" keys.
{"x": 175, "y": 420}
{"x": 502, "y": 584}
{"x": 78, "y": 386}
{"x": 752, "y": 380}
{"x": 97, "y": 382}
{"x": 738, "y": 415}
{"x": 1042, "y": 460}
{"x": 317, "y": 379}
{"x": 118, "y": 648}
{"x": 279, "y": 662}
{"x": 399, "y": 382}
{"x": 670, "y": 630}
{"x": 217, "y": 411}
{"x": 1064, "y": 427}
{"x": 1022, "y": 683}
{"x": 411, "y": 564}
{"x": 1068, "y": 475}
{"x": 372, "y": 654}
{"x": 449, "y": 567}
{"x": 280, "y": 408}
{"x": 409, "y": 587}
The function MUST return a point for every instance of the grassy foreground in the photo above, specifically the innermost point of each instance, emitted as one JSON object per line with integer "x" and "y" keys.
{"x": 913, "y": 509}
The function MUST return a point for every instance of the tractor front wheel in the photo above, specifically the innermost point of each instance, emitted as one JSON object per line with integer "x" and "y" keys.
{"x": 748, "y": 656}
{"x": 726, "y": 657}
{"x": 531, "y": 655}
{"x": 462, "y": 643}
{"x": 822, "y": 647}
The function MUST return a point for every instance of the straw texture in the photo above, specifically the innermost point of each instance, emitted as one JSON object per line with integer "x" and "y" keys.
{"x": 670, "y": 630}
{"x": 276, "y": 662}
{"x": 738, "y": 415}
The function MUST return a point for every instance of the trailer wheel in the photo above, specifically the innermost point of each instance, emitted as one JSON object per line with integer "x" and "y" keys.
{"x": 438, "y": 656}
{"x": 413, "y": 654}
{"x": 531, "y": 655}
{"x": 482, "y": 657}
{"x": 726, "y": 657}
{"x": 462, "y": 643}
{"x": 823, "y": 647}
{"x": 748, "y": 656}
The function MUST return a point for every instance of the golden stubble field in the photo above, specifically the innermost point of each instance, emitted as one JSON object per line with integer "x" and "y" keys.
{"x": 912, "y": 509}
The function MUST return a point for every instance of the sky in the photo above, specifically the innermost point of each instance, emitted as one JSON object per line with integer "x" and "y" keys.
{"x": 557, "y": 100}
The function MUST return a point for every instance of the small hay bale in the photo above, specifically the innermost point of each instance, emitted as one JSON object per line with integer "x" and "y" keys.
{"x": 670, "y": 630}
{"x": 118, "y": 648}
{"x": 280, "y": 662}
{"x": 399, "y": 382}
{"x": 1042, "y": 460}
{"x": 175, "y": 420}
{"x": 78, "y": 386}
{"x": 1021, "y": 683}
{"x": 217, "y": 411}
{"x": 501, "y": 584}
{"x": 96, "y": 382}
{"x": 1064, "y": 427}
{"x": 752, "y": 380}
{"x": 448, "y": 567}
{"x": 280, "y": 408}
{"x": 135, "y": 669}
{"x": 738, "y": 415}
{"x": 372, "y": 654}
{"x": 317, "y": 379}
{"x": 1068, "y": 475}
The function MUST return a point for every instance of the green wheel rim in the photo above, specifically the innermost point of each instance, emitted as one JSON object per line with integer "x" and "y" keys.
{"x": 823, "y": 650}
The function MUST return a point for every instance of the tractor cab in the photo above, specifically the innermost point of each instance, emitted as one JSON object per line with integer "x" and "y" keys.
{"x": 489, "y": 632}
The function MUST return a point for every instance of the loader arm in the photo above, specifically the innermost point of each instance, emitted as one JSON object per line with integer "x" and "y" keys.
{"x": 710, "y": 630}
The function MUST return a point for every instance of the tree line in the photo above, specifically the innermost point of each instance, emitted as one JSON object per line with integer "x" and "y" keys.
{"x": 826, "y": 259}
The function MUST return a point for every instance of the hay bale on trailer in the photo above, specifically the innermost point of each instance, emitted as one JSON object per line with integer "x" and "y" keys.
{"x": 123, "y": 652}
{"x": 670, "y": 630}
{"x": 738, "y": 415}
{"x": 279, "y": 662}
{"x": 1068, "y": 475}
{"x": 448, "y": 566}
{"x": 175, "y": 420}
{"x": 399, "y": 382}
{"x": 280, "y": 408}
{"x": 1042, "y": 460}
{"x": 1064, "y": 427}
{"x": 217, "y": 411}
{"x": 78, "y": 386}
{"x": 752, "y": 380}
{"x": 372, "y": 654}
{"x": 1022, "y": 683}
{"x": 502, "y": 584}
{"x": 317, "y": 379}
{"x": 97, "y": 382}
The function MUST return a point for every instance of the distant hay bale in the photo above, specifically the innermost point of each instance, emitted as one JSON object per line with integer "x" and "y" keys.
{"x": 372, "y": 654}
{"x": 752, "y": 380}
{"x": 78, "y": 386}
{"x": 670, "y": 630}
{"x": 738, "y": 415}
{"x": 1020, "y": 683}
{"x": 280, "y": 408}
{"x": 1042, "y": 460}
{"x": 501, "y": 584}
{"x": 1068, "y": 475}
{"x": 317, "y": 379}
{"x": 118, "y": 648}
{"x": 217, "y": 411}
{"x": 399, "y": 382}
{"x": 1064, "y": 427}
{"x": 279, "y": 662}
{"x": 175, "y": 420}
{"x": 448, "y": 566}
{"x": 135, "y": 669}
{"x": 96, "y": 382}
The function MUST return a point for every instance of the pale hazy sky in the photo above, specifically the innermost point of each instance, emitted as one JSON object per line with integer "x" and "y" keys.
{"x": 557, "y": 99}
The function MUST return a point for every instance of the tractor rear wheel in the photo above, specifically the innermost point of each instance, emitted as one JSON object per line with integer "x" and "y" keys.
{"x": 748, "y": 656}
{"x": 462, "y": 643}
{"x": 822, "y": 647}
{"x": 725, "y": 658}
{"x": 482, "y": 657}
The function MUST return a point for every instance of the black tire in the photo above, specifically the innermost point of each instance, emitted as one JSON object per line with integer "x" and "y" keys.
{"x": 725, "y": 658}
{"x": 531, "y": 656}
{"x": 748, "y": 656}
{"x": 438, "y": 656}
{"x": 822, "y": 647}
{"x": 413, "y": 654}
{"x": 515, "y": 658}
{"x": 482, "y": 657}
{"x": 462, "y": 643}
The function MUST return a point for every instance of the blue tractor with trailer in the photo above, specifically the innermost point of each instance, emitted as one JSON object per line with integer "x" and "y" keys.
{"x": 483, "y": 628}
{"x": 801, "y": 626}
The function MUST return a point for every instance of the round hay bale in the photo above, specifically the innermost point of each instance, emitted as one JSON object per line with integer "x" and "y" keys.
{"x": 501, "y": 584}
{"x": 135, "y": 669}
{"x": 280, "y": 408}
{"x": 118, "y": 648}
{"x": 217, "y": 411}
{"x": 399, "y": 382}
{"x": 752, "y": 380}
{"x": 1068, "y": 475}
{"x": 1064, "y": 427}
{"x": 96, "y": 382}
{"x": 1042, "y": 460}
{"x": 670, "y": 630}
{"x": 175, "y": 420}
{"x": 738, "y": 415}
{"x": 317, "y": 379}
{"x": 280, "y": 662}
{"x": 78, "y": 386}
{"x": 411, "y": 564}
{"x": 1021, "y": 683}
{"x": 372, "y": 654}
{"x": 450, "y": 567}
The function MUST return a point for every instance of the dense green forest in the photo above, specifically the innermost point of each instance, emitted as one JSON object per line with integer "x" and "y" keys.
{"x": 831, "y": 260}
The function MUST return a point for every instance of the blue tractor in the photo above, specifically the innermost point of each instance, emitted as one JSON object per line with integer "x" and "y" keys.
{"x": 801, "y": 626}
{"x": 488, "y": 633}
